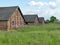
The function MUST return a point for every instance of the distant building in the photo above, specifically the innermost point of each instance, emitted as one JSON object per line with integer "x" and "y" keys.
{"x": 11, "y": 18}
{"x": 41, "y": 20}
{"x": 31, "y": 19}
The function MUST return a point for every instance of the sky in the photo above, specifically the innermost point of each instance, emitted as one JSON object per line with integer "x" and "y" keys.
{"x": 43, "y": 8}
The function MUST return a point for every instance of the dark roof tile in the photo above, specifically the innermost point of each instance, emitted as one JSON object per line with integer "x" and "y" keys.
{"x": 6, "y": 12}
{"x": 30, "y": 18}
{"x": 41, "y": 19}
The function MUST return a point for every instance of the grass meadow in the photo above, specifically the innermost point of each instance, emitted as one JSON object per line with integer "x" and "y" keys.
{"x": 48, "y": 34}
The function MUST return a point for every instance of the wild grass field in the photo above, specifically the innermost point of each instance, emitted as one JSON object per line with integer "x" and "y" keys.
{"x": 48, "y": 34}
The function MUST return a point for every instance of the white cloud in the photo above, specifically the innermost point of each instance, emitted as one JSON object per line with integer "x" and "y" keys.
{"x": 30, "y": 11}
{"x": 48, "y": 11}
{"x": 52, "y": 4}
{"x": 40, "y": 3}
{"x": 58, "y": 1}
{"x": 58, "y": 9}
{"x": 33, "y": 3}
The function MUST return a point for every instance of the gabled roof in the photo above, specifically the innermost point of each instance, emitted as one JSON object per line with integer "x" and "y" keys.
{"x": 41, "y": 19}
{"x": 30, "y": 18}
{"x": 6, "y": 12}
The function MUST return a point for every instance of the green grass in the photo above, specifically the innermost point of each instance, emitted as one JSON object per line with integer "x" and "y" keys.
{"x": 48, "y": 34}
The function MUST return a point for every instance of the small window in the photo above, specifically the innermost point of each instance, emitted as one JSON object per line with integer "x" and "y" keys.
{"x": 13, "y": 23}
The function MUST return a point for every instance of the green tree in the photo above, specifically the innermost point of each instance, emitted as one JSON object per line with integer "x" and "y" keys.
{"x": 52, "y": 19}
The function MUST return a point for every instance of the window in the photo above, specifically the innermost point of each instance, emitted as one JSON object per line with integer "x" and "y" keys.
{"x": 13, "y": 23}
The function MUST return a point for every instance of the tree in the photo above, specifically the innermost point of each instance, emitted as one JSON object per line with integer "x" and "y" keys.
{"x": 52, "y": 19}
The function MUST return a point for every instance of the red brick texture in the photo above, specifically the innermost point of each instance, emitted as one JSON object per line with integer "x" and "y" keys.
{"x": 14, "y": 22}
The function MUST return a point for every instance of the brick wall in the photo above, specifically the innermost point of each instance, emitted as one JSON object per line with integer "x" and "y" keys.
{"x": 36, "y": 22}
{"x": 3, "y": 25}
{"x": 16, "y": 20}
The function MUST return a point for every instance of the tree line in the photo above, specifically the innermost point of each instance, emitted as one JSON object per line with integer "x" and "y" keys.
{"x": 53, "y": 19}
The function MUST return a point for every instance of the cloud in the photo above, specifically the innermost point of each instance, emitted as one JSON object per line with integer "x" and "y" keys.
{"x": 58, "y": 1}
{"x": 30, "y": 11}
{"x": 47, "y": 9}
{"x": 52, "y": 4}
{"x": 34, "y": 3}
{"x": 46, "y": 13}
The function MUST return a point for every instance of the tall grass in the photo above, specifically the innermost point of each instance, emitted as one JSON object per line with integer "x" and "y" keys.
{"x": 48, "y": 34}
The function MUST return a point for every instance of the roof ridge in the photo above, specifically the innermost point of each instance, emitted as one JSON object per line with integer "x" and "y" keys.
{"x": 9, "y": 6}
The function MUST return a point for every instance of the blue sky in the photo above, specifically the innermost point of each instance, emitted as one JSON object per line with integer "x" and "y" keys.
{"x": 44, "y": 8}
